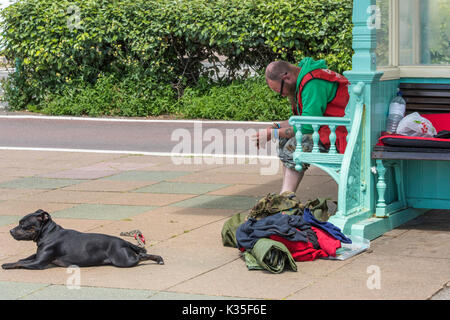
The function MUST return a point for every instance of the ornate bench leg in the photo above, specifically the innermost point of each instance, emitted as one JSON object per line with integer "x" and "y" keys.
{"x": 381, "y": 189}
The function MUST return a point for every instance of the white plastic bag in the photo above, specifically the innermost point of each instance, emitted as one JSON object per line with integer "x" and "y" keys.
{"x": 414, "y": 125}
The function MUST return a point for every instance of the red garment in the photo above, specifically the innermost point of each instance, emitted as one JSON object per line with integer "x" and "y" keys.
{"x": 327, "y": 242}
{"x": 300, "y": 250}
{"x": 335, "y": 108}
{"x": 304, "y": 251}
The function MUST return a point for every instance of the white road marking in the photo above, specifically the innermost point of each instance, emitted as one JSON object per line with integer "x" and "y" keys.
{"x": 158, "y": 154}
{"x": 129, "y": 120}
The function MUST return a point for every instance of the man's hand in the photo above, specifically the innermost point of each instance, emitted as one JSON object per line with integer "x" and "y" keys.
{"x": 262, "y": 136}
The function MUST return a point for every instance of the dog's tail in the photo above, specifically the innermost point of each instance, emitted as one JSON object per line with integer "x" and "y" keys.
{"x": 136, "y": 248}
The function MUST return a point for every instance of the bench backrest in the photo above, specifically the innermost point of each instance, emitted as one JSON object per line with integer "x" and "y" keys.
{"x": 426, "y": 97}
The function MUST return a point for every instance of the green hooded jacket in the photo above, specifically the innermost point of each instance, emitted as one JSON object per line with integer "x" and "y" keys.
{"x": 316, "y": 94}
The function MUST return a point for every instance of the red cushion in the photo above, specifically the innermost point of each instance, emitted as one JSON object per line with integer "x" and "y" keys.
{"x": 398, "y": 140}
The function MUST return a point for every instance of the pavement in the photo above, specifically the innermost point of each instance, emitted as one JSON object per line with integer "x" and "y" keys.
{"x": 180, "y": 209}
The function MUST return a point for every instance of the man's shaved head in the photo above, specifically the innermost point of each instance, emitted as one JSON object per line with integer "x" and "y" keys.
{"x": 281, "y": 73}
{"x": 276, "y": 69}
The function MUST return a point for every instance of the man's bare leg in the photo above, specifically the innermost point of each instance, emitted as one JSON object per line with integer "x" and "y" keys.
{"x": 291, "y": 179}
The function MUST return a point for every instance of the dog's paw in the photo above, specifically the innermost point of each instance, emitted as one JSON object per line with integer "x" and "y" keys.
{"x": 7, "y": 266}
{"x": 160, "y": 261}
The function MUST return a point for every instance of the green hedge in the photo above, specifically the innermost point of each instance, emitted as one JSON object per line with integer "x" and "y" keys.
{"x": 108, "y": 96}
{"x": 159, "y": 45}
{"x": 241, "y": 100}
{"x": 248, "y": 99}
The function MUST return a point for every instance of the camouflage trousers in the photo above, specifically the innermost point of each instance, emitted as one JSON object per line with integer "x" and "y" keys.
{"x": 287, "y": 147}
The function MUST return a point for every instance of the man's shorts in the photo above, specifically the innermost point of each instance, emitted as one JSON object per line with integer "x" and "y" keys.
{"x": 287, "y": 147}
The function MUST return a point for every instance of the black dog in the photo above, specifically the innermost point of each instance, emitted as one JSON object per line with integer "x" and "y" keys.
{"x": 64, "y": 247}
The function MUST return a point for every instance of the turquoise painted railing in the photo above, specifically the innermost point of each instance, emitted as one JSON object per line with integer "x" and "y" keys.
{"x": 344, "y": 168}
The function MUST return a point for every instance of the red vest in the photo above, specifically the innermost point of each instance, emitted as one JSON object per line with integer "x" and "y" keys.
{"x": 335, "y": 108}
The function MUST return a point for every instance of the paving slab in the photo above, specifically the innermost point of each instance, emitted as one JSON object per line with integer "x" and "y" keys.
{"x": 172, "y": 164}
{"x": 181, "y": 187}
{"x": 11, "y": 194}
{"x": 17, "y": 290}
{"x": 101, "y": 212}
{"x": 122, "y": 165}
{"x": 433, "y": 220}
{"x": 139, "y": 159}
{"x": 80, "y": 174}
{"x": 144, "y": 199}
{"x": 141, "y": 175}
{"x": 5, "y": 178}
{"x": 82, "y": 159}
{"x": 24, "y": 172}
{"x": 64, "y": 196}
{"x": 247, "y": 168}
{"x": 250, "y": 190}
{"x": 21, "y": 208}
{"x": 323, "y": 187}
{"x": 416, "y": 243}
{"x": 229, "y": 178}
{"x": 29, "y": 155}
{"x": 109, "y": 186}
{"x": 234, "y": 279}
{"x": 39, "y": 183}
{"x": 98, "y": 170}
{"x": 71, "y": 292}
{"x": 218, "y": 202}
{"x": 167, "y": 295}
{"x": 378, "y": 276}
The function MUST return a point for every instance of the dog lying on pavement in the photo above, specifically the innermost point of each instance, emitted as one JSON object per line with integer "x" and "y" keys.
{"x": 64, "y": 247}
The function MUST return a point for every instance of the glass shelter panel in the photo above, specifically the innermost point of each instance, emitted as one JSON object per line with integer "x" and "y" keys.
{"x": 424, "y": 32}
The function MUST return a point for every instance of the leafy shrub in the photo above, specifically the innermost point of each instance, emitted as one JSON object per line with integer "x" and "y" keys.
{"x": 165, "y": 41}
{"x": 249, "y": 99}
{"x": 111, "y": 97}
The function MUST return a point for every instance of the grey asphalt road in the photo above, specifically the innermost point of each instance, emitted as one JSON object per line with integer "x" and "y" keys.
{"x": 145, "y": 136}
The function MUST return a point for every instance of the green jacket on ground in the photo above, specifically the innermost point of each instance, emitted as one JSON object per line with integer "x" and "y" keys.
{"x": 269, "y": 255}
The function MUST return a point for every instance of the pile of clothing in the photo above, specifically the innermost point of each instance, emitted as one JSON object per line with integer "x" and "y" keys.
{"x": 280, "y": 230}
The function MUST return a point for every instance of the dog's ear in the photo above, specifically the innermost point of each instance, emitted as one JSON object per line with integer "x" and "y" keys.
{"x": 43, "y": 216}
